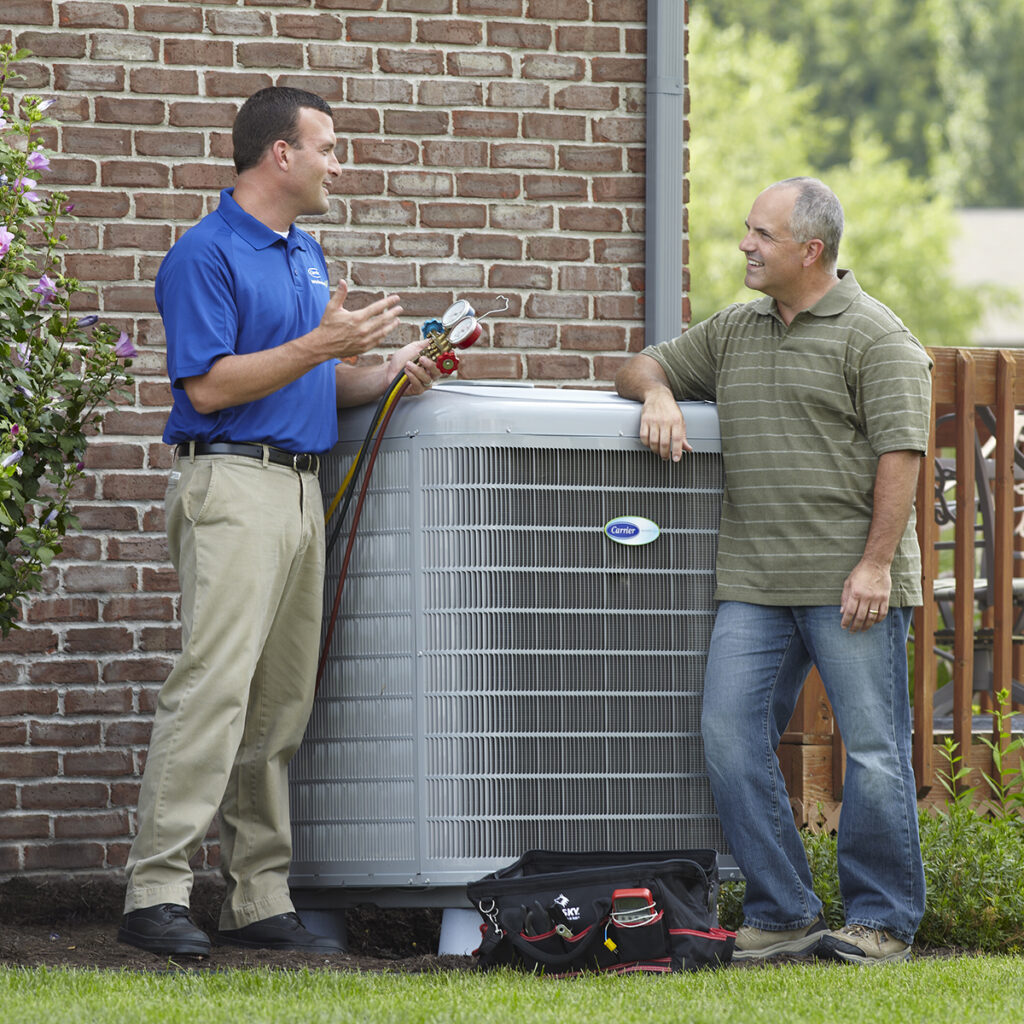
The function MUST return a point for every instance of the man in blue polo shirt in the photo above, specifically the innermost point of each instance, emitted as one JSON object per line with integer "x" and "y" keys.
{"x": 255, "y": 340}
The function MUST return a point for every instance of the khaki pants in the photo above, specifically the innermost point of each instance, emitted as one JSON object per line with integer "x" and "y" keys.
{"x": 247, "y": 539}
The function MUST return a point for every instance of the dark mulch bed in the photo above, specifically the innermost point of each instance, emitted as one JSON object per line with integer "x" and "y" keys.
{"x": 57, "y": 923}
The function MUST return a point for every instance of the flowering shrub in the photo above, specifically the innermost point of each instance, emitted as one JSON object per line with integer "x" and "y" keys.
{"x": 58, "y": 369}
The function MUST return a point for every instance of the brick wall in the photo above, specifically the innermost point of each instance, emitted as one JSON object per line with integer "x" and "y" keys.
{"x": 488, "y": 147}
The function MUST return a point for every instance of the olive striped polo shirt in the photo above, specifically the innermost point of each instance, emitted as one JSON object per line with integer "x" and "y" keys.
{"x": 806, "y": 411}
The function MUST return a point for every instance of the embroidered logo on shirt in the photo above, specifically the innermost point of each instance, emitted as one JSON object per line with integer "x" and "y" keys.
{"x": 315, "y": 278}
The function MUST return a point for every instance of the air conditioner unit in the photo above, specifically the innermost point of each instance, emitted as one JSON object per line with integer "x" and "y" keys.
{"x": 504, "y": 675}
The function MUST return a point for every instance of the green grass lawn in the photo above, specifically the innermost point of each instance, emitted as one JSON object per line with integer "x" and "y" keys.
{"x": 961, "y": 990}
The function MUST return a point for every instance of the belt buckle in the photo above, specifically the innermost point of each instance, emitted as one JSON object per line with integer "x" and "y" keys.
{"x": 309, "y": 462}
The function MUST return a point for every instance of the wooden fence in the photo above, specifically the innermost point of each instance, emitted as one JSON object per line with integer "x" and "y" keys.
{"x": 966, "y": 645}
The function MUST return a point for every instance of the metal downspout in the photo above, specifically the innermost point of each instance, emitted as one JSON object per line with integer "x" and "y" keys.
{"x": 663, "y": 245}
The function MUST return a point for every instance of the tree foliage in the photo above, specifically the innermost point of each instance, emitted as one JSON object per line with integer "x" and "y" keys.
{"x": 940, "y": 83}
{"x": 754, "y": 123}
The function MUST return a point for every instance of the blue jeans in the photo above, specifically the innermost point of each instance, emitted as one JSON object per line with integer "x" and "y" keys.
{"x": 758, "y": 660}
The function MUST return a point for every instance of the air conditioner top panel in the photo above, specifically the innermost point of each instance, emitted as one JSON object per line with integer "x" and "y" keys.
{"x": 453, "y": 409}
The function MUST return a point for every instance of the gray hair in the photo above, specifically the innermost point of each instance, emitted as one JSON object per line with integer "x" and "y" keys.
{"x": 817, "y": 213}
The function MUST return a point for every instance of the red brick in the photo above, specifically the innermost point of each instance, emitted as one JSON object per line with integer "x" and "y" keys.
{"x": 70, "y": 856}
{"x": 557, "y": 367}
{"x": 63, "y": 609}
{"x": 618, "y": 307}
{"x": 416, "y": 122}
{"x": 419, "y": 183}
{"x": 72, "y": 172}
{"x": 348, "y": 121}
{"x": 522, "y": 154}
{"x": 558, "y": 10}
{"x": 53, "y": 44}
{"x": 8, "y": 797}
{"x": 384, "y": 151}
{"x": 239, "y": 23}
{"x": 100, "y": 639}
{"x": 554, "y": 126}
{"x": 383, "y": 212}
{"x": 517, "y": 217}
{"x": 118, "y": 46}
{"x": 124, "y": 794}
{"x": 168, "y": 19}
{"x": 98, "y": 701}
{"x": 160, "y": 638}
{"x": 24, "y": 826}
{"x": 106, "y": 764}
{"x": 164, "y": 82}
{"x": 550, "y": 66}
{"x": 104, "y": 141}
{"x": 203, "y": 176}
{"x": 589, "y": 218}
{"x": 336, "y": 58}
{"x": 590, "y": 279}
{"x": 155, "y": 393}
{"x": 518, "y": 95}
{"x": 129, "y": 110}
{"x": 161, "y": 206}
{"x": 137, "y": 549}
{"x": 137, "y": 670}
{"x": 100, "y": 578}
{"x": 554, "y": 186}
{"x": 488, "y": 186}
{"x": 590, "y": 158}
{"x": 450, "y": 32}
{"x": 13, "y": 734}
{"x": 556, "y": 248}
{"x": 92, "y": 826}
{"x": 309, "y": 26}
{"x": 619, "y": 250}
{"x": 160, "y": 581}
{"x": 587, "y": 38}
{"x": 454, "y": 153}
{"x": 114, "y": 455}
{"x": 587, "y": 97}
{"x": 524, "y": 336}
{"x": 379, "y": 30}
{"x": 459, "y": 276}
{"x": 64, "y": 670}
{"x": 525, "y": 276}
{"x": 490, "y": 247}
{"x": 330, "y": 87}
{"x": 196, "y": 53}
{"x": 28, "y": 12}
{"x": 28, "y": 702}
{"x": 618, "y": 69}
{"x": 65, "y": 734}
{"x": 426, "y": 245}
{"x": 421, "y": 6}
{"x": 107, "y": 517}
{"x": 129, "y": 734}
{"x": 29, "y": 641}
{"x": 27, "y": 764}
{"x": 411, "y": 62}
{"x": 501, "y": 7}
{"x": 270, "y": 55}
{"x": 617, "y": 190}
{"x": 557, "y": 307}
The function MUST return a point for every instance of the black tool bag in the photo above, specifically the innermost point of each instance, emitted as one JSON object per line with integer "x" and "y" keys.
{"x": 563, "y": 913}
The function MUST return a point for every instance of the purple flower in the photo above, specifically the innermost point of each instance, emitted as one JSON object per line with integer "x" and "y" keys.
{"x": 124, "y": 349}
{"x": 86, "y": 321}
{"x": 38, "y": 161}
{"x": 21, "y": 354}
{"x": 79, "y": 466}
{"x": 6, "y": 237}
{"x": 50, "y": 518}
{"x": 47, "y": 288}
{"x": 15, "y": 429}
{"x": 3, "y": 122}
{"x": 45, "y": 105}
{"x": 27, "y": 185}
{"x": 10, "y": 460}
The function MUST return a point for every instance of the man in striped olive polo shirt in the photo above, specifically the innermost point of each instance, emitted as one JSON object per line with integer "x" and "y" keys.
{"x": 824, "y": 400}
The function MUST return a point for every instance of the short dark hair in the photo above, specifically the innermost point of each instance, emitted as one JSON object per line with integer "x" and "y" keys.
{"x": 269, "y": 115}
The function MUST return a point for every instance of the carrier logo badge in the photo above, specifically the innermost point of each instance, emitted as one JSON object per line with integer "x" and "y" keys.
{"x": 631, "y": 530}
{"x": 315, "y": 278}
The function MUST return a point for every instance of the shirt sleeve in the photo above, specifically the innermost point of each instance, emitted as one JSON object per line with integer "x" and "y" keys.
{"x": 894, "y": 394}
{"x": 195, "y": 296}
{"x": 690, "y": 362}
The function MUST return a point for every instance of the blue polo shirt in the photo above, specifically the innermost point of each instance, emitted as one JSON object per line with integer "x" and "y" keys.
{"x": 229, "y": 286}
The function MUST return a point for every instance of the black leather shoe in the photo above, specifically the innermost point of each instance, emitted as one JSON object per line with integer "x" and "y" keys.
{"x": 285, "y": 931}
{"x": 164, "y": 928}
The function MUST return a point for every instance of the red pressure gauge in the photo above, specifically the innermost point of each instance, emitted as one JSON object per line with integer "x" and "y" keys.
{"x": 465, "y": 332}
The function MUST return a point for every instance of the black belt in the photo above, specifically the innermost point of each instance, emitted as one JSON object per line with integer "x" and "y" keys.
{"x": 302, "y": 462}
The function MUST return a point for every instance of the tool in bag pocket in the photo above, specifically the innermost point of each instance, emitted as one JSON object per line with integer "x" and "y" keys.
{"x": 564, "y": 913}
